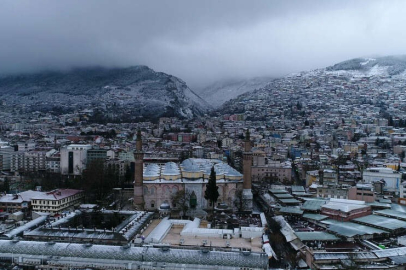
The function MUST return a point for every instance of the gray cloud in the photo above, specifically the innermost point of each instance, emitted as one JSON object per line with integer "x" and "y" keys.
{"x": 199, "y": 41}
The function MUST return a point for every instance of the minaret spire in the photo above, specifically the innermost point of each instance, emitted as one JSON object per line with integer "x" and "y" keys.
{"x": 247, "y": 175}
{"x": 138, "y": 174}
{"x": 247, "y": 141}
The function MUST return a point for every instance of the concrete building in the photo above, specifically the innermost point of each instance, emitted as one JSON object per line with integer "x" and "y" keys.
{"x": 53, "y": 161}
{"x": 117, "y": 165}
{"x": 328, "y": 177}
{"x": 362, "y": 192}
{"x": 28, "y": 161}
{"x": 96, "y": 154}
{"x": 26, "y": 146}
{"x": 275, "y": 169}
{"x": 73, "y": 159}
{"x": 391, "y": 177}
{"x": 332, "y": 191}
{"x": 5, "y": 156}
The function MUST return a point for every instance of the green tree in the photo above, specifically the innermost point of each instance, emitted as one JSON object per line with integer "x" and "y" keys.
{"x": 6, "y": 185}
{"x": 99, "y": 179}
{"x": 129, "y": 175}
{"x": 211, "y": 194}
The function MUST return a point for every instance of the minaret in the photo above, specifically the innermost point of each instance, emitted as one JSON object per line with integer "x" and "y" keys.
{"x": 247, "y": 163}
{"x": 138, "y": 174}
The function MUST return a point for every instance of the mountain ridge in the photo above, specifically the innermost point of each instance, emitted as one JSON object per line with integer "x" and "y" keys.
{"x": 142, "y": 90}
{"x": 383, "y": 68}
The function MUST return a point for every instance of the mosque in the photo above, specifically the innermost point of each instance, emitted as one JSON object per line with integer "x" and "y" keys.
{"x": 156, "y": 184}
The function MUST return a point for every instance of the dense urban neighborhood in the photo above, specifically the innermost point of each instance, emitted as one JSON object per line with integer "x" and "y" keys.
{"x": 308, "y": 171}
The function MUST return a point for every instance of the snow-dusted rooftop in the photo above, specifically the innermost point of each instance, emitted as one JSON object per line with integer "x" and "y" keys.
{"x": 191, "y": 165}
{"x": 26, "y": 227}
{"x": 123, "y": 233}
{"x": 171, "y": 168}
{"x": 56, "y": 194}
{"x": 344, "y": 205}
{"x": 134, "y": 254}
{"x": 24, "y": 196}
{"x": 152, "y": 170}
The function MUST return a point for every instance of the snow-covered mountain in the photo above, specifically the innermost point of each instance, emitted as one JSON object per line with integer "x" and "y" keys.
{"x": 136, "y": 91}
{"x": 387, "y": 65}
{"x": 351, "y": 76}
{"x": 222, "y": 91}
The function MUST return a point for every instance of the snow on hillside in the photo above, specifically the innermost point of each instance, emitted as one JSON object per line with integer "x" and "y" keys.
{"x": 135, "y": 91}
{"x": 219, "y": 92}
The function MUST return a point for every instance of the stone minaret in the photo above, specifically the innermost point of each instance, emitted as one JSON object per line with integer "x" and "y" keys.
{"x": 247, "y": 163}
{"x": 138, "y": 174}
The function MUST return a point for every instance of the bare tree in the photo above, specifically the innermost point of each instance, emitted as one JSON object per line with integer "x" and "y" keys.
{"x": 181, "y": 199}
{"x": 239, "y": 202}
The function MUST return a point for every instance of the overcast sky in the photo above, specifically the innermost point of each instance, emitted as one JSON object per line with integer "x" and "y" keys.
{"x": 198, "y": 41}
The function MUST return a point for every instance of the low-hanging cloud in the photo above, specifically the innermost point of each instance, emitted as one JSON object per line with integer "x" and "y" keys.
{"x": 199, "y": 41}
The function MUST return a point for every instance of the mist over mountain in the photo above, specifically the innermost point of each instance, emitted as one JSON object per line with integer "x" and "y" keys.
{"x": 135, "y": 92}
{"x": 219, "y": 92}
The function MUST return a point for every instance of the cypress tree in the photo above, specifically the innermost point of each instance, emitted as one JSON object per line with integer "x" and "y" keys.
{"x": 211, "y": 194}
{"x": 6, "y": 186}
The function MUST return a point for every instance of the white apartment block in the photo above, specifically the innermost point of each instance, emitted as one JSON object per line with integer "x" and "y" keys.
{"x": 73, "y": 159}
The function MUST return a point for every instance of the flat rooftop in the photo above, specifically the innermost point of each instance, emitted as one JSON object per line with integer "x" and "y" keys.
{"x": 350, "y": 229}
{"x": 316, "y": 236}
{"x": 381, "y": 222}
{"x": 392, "y": 214}
{"x": 174, "y": 238}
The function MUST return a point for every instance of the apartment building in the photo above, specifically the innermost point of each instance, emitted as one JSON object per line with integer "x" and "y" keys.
{"x": 74, "y": 159}
{"x": 28, "y": 161}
